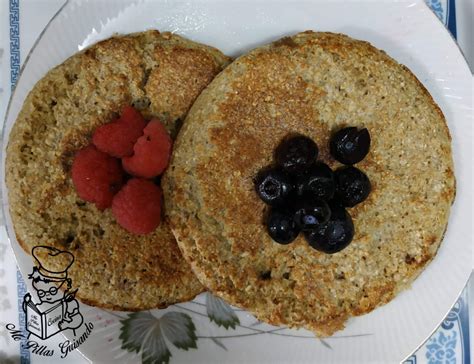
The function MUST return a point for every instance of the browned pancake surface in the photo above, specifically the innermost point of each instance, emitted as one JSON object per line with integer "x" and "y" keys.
{"x": 313, "y": 84}
{"x": 161, "y": 74}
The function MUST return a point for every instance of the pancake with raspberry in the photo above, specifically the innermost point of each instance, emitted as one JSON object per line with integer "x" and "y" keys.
{"x": 160, "y": 74}
{"x": 311, "y": 84}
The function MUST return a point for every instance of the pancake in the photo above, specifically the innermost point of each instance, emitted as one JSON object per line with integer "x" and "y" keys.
{"x": 311, "y": 84}
{"x": 159, "y": 73}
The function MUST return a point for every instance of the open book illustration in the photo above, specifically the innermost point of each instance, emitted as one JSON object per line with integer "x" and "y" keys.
{"x": 57, "y": 309}
{"x": 44, "y": 323}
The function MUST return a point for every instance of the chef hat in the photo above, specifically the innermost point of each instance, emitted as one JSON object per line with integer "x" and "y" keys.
{"x": 53, "y": 263}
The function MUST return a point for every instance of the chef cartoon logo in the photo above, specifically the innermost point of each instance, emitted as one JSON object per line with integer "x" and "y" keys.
{"x": 51, "y": 307}
{"x": 55, "y": 308}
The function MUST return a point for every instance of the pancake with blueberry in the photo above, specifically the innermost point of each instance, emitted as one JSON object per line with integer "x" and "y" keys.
{"x": 311, "y": 182}
{"x": 160, "y": 74}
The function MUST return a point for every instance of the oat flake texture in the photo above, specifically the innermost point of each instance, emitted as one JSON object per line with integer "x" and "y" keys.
{"x": 159, "y": 73}
{"x": 313, "y": 84}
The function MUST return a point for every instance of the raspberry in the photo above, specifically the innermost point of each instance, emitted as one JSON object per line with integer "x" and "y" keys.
{"x": 151, "y": 152}
{"x": 118, "y": 137}
{"x": 137, "y": 206}
{"x": 96, "y": 176}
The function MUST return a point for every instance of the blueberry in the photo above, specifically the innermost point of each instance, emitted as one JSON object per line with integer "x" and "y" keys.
{"x": 352, "y": 186}
{"x": 273, "y": 185}
{"x": 281, "y": 226}
{"x": 317, "y": 180}
{"x": 334, "y": 235}
{"x": 310, "y": 212}
{"x": 349, "y": 145}
{"x": 296, "y": 153}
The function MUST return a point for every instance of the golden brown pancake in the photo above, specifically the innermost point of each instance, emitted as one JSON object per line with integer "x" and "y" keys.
{"x": 159, "y": 73}
{"x": 311, "y": 84}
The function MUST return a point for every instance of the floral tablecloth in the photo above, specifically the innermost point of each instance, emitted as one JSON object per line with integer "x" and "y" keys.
{"x": 21, "y": 21}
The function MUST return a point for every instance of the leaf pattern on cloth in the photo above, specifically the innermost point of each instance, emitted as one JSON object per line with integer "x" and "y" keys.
{"x": 179, "y": 329}
{"x": 142, "y": 331}
{"x": 220, "y": 312}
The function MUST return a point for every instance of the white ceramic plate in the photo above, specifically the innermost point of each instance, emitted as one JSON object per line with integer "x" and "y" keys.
{"x": 406, "y": 30}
